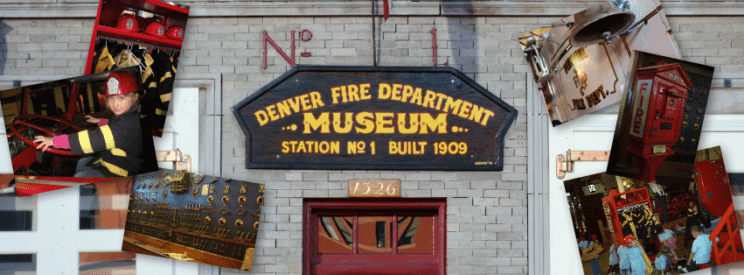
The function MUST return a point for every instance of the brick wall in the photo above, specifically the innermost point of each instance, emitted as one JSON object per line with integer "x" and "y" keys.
{"x": 487, "y": 211}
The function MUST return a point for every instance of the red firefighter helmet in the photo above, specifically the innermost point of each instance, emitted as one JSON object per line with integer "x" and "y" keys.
{"x": 121, "y": 83}
{"x": 155, "y": 29}
{"x": 127, "y": 22}
{"x": 174, "y": 32}
{"x": 628, "y": 239}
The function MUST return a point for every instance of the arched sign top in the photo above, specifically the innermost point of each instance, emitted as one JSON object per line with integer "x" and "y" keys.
{"x": 374, "y": 118}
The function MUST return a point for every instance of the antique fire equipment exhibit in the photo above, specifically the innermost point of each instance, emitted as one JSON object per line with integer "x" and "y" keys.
{"x": 147, "y": 34}
{"x": 661, "y": 92}
{"x": 57, "y": 108}
{"x": 582, "y": 62}
{"x": 613, "y": 208}
{"x": 193, "y": 217}
{"x": 660, "y": 119}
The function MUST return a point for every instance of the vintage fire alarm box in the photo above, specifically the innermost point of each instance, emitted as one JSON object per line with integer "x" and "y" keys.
{"x": 658, "y": 106}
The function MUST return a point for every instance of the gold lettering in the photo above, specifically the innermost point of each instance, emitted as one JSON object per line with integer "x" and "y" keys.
{"x": 305, "y": 100}
{"x": 364, "y": 91}
{"x": 385, "y": 123}
{"x": 383, "y": 91}
{"x": 465, "y": 109}
{"x": 283, "y": 108}
{"x": 324, "y": 147}
{"x": 455, "y": 105}
{"x": 416, "y": 99}
{"x": 315, "y": 98}
{"x": 438, "y": 125}
{"x": 396, "y": 92}
{"x": 476, "y": 113}
{"x": 313, "y": 123}
{"x": 311, "y": 147}
{"x": 272, "y": 112}
{"x": 429, "y": 99}
{"x": 413, "y": 123}
{"x": 365, "y": 118}
{"x": 294, "y": 104}
{"x": 440, "y": 97}
{"x": 261, "y": 117}
{"x": 353, "y": 93}
{"x": 335, "y": 147}
{"x": 301, "y": 148}
{"x": 488, "y": 115}
{"x": 407, "y": 92}
{"x": 342, "y": 127}
{"x": 335, "y": 94}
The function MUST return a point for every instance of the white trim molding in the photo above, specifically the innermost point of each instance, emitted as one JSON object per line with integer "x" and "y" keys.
{"x": 210, "y": 149}
{"x": 538, "y": 235}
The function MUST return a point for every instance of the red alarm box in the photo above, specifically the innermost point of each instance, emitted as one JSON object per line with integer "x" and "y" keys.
{"x": 658, "y": 104}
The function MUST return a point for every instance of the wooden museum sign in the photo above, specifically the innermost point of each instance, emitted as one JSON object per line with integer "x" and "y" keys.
{"x": 392, "y": 118}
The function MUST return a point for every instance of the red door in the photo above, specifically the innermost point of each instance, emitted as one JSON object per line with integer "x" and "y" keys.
{"x": 374, "y": 236}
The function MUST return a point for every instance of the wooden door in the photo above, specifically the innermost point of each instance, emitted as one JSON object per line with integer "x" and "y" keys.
{"x": 374, "y": 236}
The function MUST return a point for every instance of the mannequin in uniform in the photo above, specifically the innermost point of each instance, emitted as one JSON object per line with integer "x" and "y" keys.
{"x": 117, "y": 144}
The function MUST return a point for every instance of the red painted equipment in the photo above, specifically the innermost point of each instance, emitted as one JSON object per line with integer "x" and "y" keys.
{"x": 714, "y": 189}
{"x": 156, "y": 29}
{"x": 174, "y": 32}
{"x": 659, "y": 98}
{"x": 617, "y": 202}
{"x": 121, "y": 83}
{"x": 727, "y": 249}
{"x": 127, "y": 21}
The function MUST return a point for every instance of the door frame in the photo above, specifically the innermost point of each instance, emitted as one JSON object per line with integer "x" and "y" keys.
{"x": 359, "y": 205}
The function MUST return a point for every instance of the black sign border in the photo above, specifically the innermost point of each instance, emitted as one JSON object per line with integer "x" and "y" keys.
{"x": 501, "y": 133}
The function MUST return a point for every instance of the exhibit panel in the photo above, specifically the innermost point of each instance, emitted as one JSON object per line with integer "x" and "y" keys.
{"x": 719, "y": 130}
{"x": 242, "y": 46}
{"x": 85, "y": 212}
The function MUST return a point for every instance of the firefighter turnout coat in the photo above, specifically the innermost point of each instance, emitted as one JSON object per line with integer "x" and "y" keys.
{"x": 116, "y": 146}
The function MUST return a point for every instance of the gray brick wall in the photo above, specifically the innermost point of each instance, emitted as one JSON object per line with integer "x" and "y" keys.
{"x": 487, "y": 211}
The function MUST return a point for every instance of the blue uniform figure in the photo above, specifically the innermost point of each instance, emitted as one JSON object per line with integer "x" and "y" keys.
{"x": 614, "y": 266}
{"x": 622, "y": 251}
{"x": 701, "y": 249}
{"x": 663, "y": 260}
{"x": 593, "y": 263}
{"x": 635, "y": 256}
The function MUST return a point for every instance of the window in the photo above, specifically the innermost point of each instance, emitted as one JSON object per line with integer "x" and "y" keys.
{"x": 374, "y": 236}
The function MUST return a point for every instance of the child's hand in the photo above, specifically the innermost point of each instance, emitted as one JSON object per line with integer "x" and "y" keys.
{"x": 91, "y": 119}
{"x": 44, "y": 142}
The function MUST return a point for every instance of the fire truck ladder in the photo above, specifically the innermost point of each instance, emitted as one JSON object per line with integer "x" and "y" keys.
{"x": 729, "y": 249}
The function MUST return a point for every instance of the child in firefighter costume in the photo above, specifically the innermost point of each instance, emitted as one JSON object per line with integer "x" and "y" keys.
{"x": 117, "y": 144}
